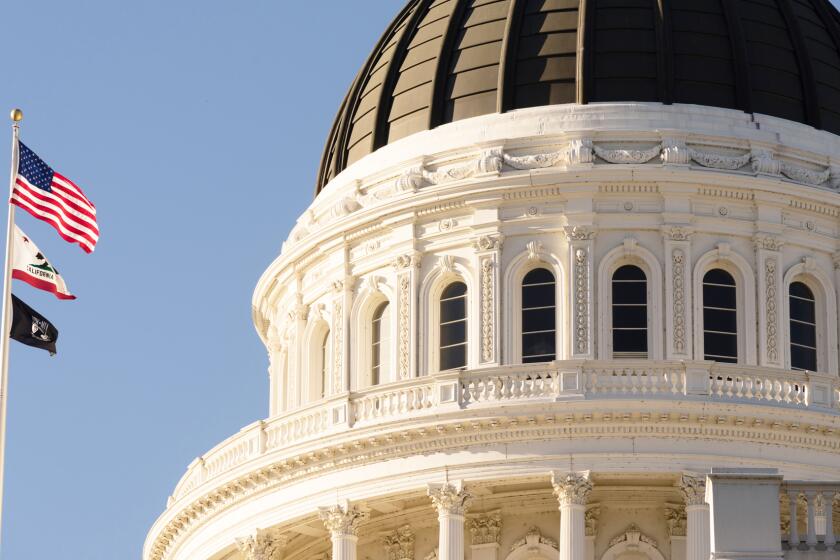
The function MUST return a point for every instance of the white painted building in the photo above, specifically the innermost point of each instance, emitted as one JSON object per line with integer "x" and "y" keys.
{"x": 568, "y": 289}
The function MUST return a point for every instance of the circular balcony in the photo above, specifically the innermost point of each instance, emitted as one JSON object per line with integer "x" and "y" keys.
{"x": 540, "y": 401}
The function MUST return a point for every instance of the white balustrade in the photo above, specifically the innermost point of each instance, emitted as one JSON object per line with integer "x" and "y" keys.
{"x": 810, "y": 506}
{"x": 542, "y": 383}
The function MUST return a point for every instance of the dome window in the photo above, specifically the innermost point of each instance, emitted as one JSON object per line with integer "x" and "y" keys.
{"x": 803, "y": 327}
{"x": 380, "y": 344}
{"x": 453, "y": 326}
{"x": 629, "y": 313}
{"x": 720, "y": 317}
{"x": 539, "y": 320}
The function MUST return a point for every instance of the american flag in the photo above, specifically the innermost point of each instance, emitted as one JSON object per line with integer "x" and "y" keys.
{"x": 55, "y": 199}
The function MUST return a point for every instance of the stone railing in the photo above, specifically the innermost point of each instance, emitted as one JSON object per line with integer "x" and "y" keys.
{"x": 535, "y": 383}
{"x": 809, "y": 516}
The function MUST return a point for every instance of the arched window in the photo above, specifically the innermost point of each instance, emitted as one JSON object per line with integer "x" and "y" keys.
{"x": 629, "y": 313}
{"x": 380, "y": 347}
{"x": 720, "y": 317}
{"x": 453, "y": 326}
{"x": 539, "y": 318}
{"x": 803, "y": 327}
{"x": 325, "y": 363}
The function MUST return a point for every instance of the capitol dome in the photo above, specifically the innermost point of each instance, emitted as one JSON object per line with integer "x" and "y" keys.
{"x": 568, "y": 290}
{"x": 443, "y": 61}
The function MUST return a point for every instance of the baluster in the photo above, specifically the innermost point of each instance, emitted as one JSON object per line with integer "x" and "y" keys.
{"x": 516, "y": 385}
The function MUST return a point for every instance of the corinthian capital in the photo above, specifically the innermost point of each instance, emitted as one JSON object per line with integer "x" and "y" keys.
{"x": 693, "y": 489}
{"x": 486, "y": 528}
{"x": 342, "y": 519}
{"x": 265, "y": 544}
{"x": 449, "y": 498}
{"x": 571, "y": 488}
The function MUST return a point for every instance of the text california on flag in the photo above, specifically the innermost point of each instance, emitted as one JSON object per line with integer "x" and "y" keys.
{"x": 55, "y": 199}
{"x": 31, "y": 266}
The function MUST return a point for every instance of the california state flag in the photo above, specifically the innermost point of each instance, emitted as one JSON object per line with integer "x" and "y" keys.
{"x": 31, "y": 266}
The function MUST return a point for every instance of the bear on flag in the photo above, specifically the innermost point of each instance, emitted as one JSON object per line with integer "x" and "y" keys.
{"x": 31, "y": 266}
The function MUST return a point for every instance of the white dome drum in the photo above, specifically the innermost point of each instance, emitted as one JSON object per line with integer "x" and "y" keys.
{"x": 601, "y": 331}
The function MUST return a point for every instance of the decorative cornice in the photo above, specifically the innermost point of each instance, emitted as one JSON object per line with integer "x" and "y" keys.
{"x": 460, "y": 434}
{"x": 627, "y": 156}
{"x": 449, "y": 498}
{"x": 693, "y": 489}
{"x": 342, "y": 519}
{"x": 571, "y": 488}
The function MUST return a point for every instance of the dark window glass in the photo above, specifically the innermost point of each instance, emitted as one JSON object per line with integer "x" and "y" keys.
{"x": 325, "y": 361}
{"x": 539, "y": 318}
{"x": 720, "y": 317}
{"x": 629, "y": 313}
{"x": 803, "y": 327}
{"x": 453, "y": 326}
{"x": 380, "y": 328}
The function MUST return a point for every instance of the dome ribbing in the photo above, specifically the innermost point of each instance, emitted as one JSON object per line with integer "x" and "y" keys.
{"x": 444, "y": 60}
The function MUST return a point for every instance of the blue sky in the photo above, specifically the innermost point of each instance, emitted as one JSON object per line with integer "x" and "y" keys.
{"x": 196, "y": 128}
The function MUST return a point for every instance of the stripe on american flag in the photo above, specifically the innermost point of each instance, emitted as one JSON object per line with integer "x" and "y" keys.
{"x": 55, "y": 199}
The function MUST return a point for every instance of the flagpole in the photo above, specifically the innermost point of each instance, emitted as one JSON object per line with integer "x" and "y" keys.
{"x": 17, "y": 116}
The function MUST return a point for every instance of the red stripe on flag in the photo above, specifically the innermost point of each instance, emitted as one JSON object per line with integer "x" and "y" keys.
{"x": 50, "y": 219}
{"x": 76, "y": 188}
{"x": 82, "y": 217}
{"x": 40, "y": 283}
{"x": 46, "y": 206}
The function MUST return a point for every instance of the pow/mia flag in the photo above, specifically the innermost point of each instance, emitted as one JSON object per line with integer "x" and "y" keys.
{"x": 32, "y": 328}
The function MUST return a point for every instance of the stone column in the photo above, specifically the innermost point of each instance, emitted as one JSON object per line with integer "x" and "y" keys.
{"x": 769, "y": 276}
{"x": 407, "y": 268}
{"x": 572, "y": 491}
{"x": 793, "y": 539}
{"x": 678, "y": 324}
{"x": 581, "y": 245}
{"x": 486, "y": 532}
{"x": 697, "y": 535}
{"x": 265, "y": 544}
{"x": 342, "y": 521}
{"x": 451, "y": 501}
{"x": 277, "y": 351}
{"x": 488, "y": 249}
{"x": 828, "y": 501}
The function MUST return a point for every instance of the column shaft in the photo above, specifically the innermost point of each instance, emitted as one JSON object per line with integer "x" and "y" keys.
{"x": 451, "y": 537}
{"x": 697, "y": 537}
{"x": 344, "y": 546}
{"x": 572, "y": 532}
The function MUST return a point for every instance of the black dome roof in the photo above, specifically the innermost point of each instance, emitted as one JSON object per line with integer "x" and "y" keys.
{"x": 444, "y": 60}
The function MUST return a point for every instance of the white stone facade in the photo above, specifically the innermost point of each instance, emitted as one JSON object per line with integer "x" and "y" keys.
{"x": 590, "y": 456}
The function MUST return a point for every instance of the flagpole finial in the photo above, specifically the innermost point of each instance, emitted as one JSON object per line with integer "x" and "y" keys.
{"x": 16, "y": 115}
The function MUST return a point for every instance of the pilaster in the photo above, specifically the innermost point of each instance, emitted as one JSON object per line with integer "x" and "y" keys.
{"x": 265, "y": 544}
{"x": 451, "y": 501}
{"x": 581, "y": 244}
{"x": 572, "y": 491}
{"x": 693, "y": 489}
{"x": 277, "y": 352}
{"x": 342, "y": 521}
{"x": 407, "y": 268}
{"x": 769, "y": 273}
{"x": 485, "y": 533}
{"x": 298, "y": 317}
{"x": 678, "y": 324}
{"x": 341, "y": 305}
{"x": 399, "y": 545}
{"x": 488, "y": 251}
